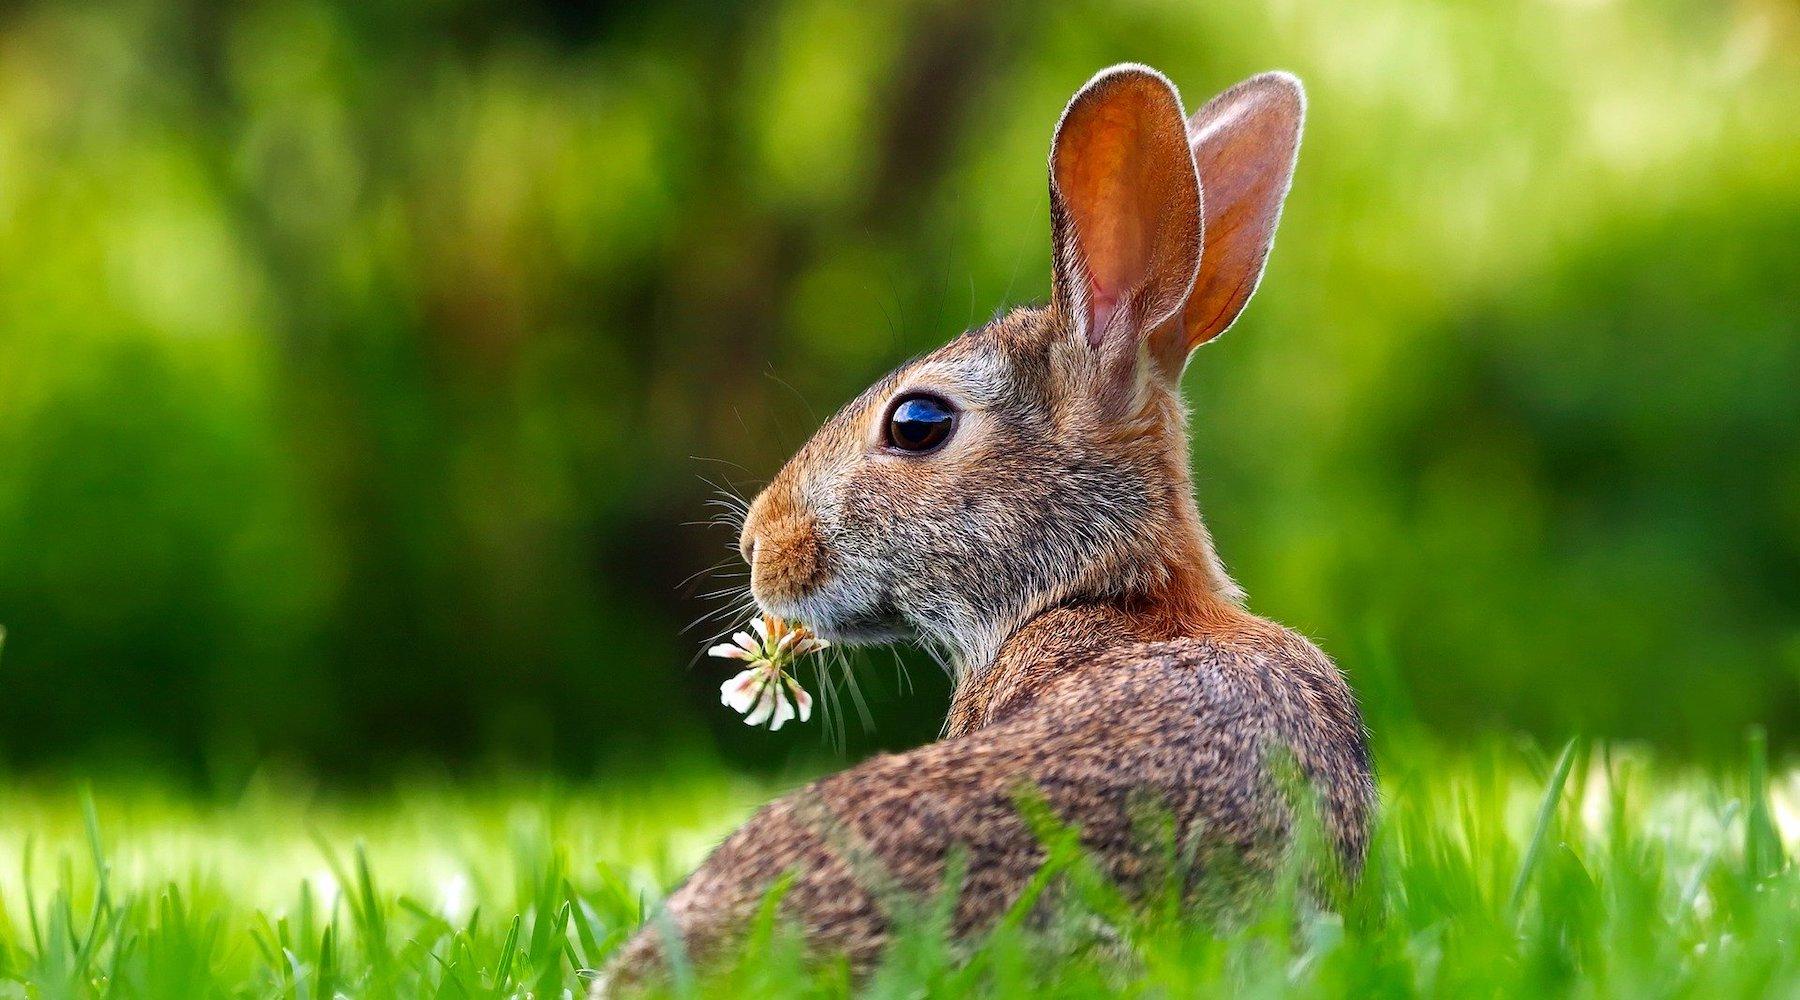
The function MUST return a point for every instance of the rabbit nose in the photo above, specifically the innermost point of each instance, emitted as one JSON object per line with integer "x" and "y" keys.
{"x": 780, "y": 543}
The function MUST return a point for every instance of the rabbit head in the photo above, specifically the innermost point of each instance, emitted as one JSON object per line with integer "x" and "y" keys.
{"x": 1042, "y": 459}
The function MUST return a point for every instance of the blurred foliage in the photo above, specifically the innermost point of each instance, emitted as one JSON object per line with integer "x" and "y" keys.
{"x": 363, "y": 365}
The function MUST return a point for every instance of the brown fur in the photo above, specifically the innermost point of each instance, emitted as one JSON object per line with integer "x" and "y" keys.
{"x": 1053, "y": 552}
{"x": 785, "y": 557}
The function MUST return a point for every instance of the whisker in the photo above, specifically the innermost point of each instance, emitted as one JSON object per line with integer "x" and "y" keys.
{"x": 903, "y": 671}
{"x": 732, "y": 611}
{"x": 810, "y": 412}
{"x": 856, "y": 697}
{"x": 830, "y": 715}
{"x": 718, "y": 568}
{"x": 727, "y": 493}
{"x": 710, "y": 641}
{"x": 721, "y": 461}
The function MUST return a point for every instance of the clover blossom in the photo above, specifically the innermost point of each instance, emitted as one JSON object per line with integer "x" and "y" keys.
{"x": 761, "y": 692}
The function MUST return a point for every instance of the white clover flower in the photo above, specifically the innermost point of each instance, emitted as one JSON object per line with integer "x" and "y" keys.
{"x": 762, "y": 691}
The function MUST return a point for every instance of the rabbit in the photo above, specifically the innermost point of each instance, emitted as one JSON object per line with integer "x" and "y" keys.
{"x": 1019, "y": 500}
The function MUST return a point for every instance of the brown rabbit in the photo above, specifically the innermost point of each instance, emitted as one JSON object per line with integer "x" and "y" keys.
{"x": 1019, "y": 499}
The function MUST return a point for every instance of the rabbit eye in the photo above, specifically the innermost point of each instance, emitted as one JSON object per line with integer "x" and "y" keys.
{"x": 919, "y": 424}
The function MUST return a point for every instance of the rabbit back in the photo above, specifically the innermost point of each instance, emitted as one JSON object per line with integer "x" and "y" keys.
{"x": 1186, "y": 729}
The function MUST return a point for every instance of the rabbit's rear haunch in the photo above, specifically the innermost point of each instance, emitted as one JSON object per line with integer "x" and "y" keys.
{"x": 1020, "y": 500}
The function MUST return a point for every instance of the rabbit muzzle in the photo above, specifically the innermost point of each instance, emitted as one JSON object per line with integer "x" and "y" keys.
{"x": 781, "y": 544}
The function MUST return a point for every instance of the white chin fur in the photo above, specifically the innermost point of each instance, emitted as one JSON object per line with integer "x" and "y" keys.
{"x": 859, "y": 635}
{"x": 838, "y": 618}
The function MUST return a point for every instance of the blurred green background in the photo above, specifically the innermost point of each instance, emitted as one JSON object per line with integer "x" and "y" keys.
{"x": 365, "y": 368}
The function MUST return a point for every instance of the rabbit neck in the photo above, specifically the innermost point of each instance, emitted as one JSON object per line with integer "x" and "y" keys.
{"x": 1072, "y": 637}
{"x": 1168, "y": 584}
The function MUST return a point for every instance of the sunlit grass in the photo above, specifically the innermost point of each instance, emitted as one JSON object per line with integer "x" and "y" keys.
{"x": 1499, "y": 871}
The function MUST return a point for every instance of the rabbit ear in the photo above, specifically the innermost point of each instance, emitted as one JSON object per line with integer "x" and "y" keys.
{"x": 1245, "y": 142}
{"x": 1124, "y": 210}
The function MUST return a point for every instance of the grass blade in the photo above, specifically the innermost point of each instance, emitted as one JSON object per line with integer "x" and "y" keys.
{"x": 1541, "y": 830}
{"x": 1763, "y": 854}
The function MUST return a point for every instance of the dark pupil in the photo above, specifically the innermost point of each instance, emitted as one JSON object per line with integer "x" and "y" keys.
{"x": 919, "y": 424}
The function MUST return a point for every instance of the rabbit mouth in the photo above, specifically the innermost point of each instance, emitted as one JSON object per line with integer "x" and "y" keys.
{"x": 867, "y": 629}
{"x": 854, "y": 620}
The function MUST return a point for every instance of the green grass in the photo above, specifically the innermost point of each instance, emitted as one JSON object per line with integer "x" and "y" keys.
{"x": 1496, "y": 871}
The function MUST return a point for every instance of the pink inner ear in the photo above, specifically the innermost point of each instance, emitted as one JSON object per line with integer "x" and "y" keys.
{"x": 1101, "y": 306}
